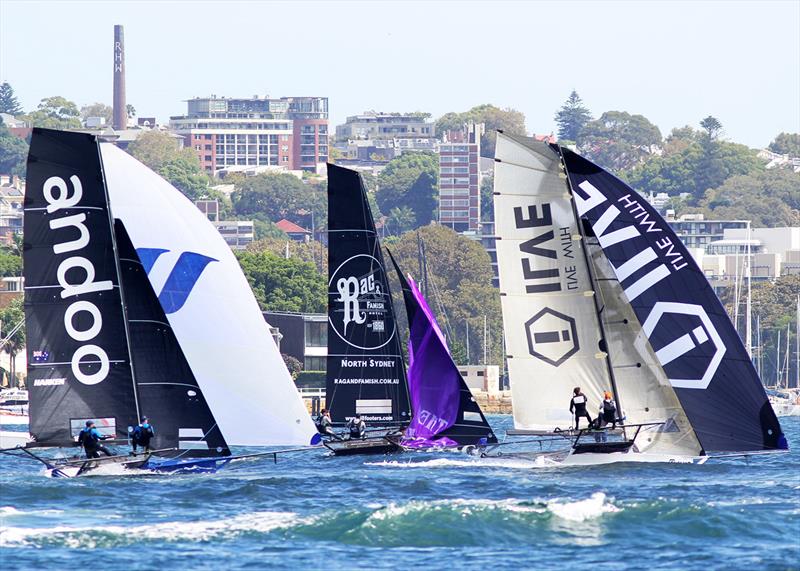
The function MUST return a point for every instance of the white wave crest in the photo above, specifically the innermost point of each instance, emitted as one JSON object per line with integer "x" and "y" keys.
{"x": 513, "y": 463}
{"x": 581, "y": 510}
{"x": 90, "y": 537}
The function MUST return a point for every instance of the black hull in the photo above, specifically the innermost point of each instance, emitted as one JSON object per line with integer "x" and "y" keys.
{"x": 363, "y": 447}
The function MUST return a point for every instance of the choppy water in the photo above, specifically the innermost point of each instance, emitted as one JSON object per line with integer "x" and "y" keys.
{"x": 418, "y": 511}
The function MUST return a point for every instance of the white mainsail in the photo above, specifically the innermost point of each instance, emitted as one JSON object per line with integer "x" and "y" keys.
{"x": 216, "y": 319}
{"x": 550, "y": 322}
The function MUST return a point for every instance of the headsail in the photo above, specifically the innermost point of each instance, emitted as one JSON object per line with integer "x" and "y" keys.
{"x": 168, "y": 391}
{"x": 444, "y": 410}
{"x": 681, "y": 317}
{"x": 366, "y": 372}
{"x": 78, "y": 361}
{"x": 210, "y": 308}
{"x": 552, "y": 334}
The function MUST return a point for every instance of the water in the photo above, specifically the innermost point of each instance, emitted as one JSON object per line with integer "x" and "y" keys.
{"x": 429, "y": 511}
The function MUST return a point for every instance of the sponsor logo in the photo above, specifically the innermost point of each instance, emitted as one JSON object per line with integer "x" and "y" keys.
{"x": 430, "y": 421}
{"x": 360, "y": 303}
{"x": 552, "y": 336}
{"x": 76, "y": 277}
{"x": 686, "y": 343}
{"x": 40, "y": 356}
{"x": 49, "y": 382}
{"x": 182, "y": 278}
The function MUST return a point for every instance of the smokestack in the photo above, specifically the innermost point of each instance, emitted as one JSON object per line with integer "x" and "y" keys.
{"x": 120, "y": 108}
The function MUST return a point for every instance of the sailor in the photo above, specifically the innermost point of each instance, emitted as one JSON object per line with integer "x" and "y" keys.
{"x": 90, "y": 439}
{"x": 325, "y": 425}
{"x": 142, "y": 435}
{"x": 357, "y": 428}
{"x": 577, "y": 406}
{"x": 608, "y": 410}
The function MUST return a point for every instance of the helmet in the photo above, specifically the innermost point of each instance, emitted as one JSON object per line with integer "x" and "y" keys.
{"x": 89, "y": 423}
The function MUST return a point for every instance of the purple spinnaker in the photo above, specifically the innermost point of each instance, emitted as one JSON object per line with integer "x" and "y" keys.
{"x": 433, "y": 379}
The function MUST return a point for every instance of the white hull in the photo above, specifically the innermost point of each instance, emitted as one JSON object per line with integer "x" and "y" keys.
{"x": 786, "y": 409}
{"x": 14, "y": 418}
{"x": 592, "y": 459}
{"x": 10, "y": 439}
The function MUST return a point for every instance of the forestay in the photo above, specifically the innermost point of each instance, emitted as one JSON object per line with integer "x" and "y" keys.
{"x": 210, "y": 308}
{"x": 681, "y": 317}
{"x": 366, "y": 373}
{"x": 550, "y": 321}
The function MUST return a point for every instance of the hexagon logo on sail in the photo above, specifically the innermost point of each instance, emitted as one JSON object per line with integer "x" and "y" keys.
{"x": 693, "y": 332}
{"x": 552, "y": 336}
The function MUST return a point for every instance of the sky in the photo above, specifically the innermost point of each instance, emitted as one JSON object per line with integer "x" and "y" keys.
{"x": 673, "y": 62}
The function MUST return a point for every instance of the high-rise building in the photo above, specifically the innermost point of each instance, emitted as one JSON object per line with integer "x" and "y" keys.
{"x": 459, "y": 180}
{"x": 374, "y": 125}
{"x": 290, "y": 132}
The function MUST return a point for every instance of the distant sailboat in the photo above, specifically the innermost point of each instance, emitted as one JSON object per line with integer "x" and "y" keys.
{"x": 136, "y": 306}
{"x": 597, "y": 291}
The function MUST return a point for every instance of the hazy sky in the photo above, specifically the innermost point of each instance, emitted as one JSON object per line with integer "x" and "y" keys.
{"x": 673, "y": 62}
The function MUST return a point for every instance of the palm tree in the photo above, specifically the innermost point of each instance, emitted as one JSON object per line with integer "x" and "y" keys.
{"x": 402, "y": 219}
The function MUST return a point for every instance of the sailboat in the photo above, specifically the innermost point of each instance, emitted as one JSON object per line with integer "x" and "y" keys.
{"x": 366, "y": 373}
{"x": 445, "y": 414}
{"x": 597, "y": 291}
{"x": 134, "y": 306}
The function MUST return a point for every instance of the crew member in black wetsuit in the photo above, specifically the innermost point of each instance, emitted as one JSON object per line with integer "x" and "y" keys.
{"x": 357, "y": 427}
{"x": 90, "y": 439}
{"x": 609, "y": 410}
{"x": 142, "y": 435}
{"x": 325, "y": 425}
{"x": 577, "y": 406}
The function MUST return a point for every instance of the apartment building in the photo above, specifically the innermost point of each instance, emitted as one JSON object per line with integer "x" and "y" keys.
{"x": 376, "y": 125}
{"x": 459, "y": 180}
{"x": 290, "y": 132}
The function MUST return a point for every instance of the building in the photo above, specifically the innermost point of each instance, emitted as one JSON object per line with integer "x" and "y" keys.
{"x": 375, "y": 125}
{"x": 303, "y": 336}
{"x": 459, "y": 179}
{"x": 697, "y": 232}
{"x": 237, "y": 233}
{"x": 295, "y": 232}
{"x": 481, "y": 378}
{"x": 290, "y": 132}
{"x": 209, "y": 207}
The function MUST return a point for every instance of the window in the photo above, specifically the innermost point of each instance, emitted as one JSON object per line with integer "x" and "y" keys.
{"x": 314, "y": 364}
{"x": 316, "y": 334}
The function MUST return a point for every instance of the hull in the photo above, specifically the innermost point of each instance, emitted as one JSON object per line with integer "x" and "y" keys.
{"x": 10, "y": 439}
{"x": 596, "y": 459}
{"x": 363, "y": 447}
{"x": 13, "y": 418}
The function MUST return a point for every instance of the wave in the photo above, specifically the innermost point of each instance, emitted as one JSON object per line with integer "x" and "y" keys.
{"x": 513, "y": 463}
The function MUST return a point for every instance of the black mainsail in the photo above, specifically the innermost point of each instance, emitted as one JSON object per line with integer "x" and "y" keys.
{"x": 365, "y": 369}
{"x": 77, "y": 347}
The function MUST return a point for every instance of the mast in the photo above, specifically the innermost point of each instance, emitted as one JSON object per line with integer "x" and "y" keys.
{"x": 778, "y": 361}
{"x": 123, "y": 303}
{"x": 748, "y": 334}
{"x": 593, "y": 280}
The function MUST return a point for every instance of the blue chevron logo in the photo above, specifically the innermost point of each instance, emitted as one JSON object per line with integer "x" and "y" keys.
{"x": 182, "y": 278}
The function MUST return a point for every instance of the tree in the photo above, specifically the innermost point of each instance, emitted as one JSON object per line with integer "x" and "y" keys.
{"x": 712, "y": 127}
{"x": 460, "y": 273}
{"x": 10, "y": 264}
{"x": 130, "y": 110}
{"x": 619, "y": 140}
{"x": 572, "y": 118}
{"x": 265, "y": 229}
{"x": 97, "y": 110}
{"x": 11, "y": 316}
{"x": 401, "y": 219}
{"x": 487, "y": 198}
{"x": 786, "y": 144}
{"x": 13, "y": 152}
{"x": 768, "y": 198}
{"x": 410, "y": 180}
{"x": 293, "y": 364}
{"x": 774, "y": 303}
{"x": 313, "y": 251}
{"x": 185, "y": 173}
{"x": 55, "y": 113}
{"x": 8, "y": 101}
{"x": 507, "y": 120}
{"x": 281, "y": 284}
{"x": 154, "y": 148}
{"x": 272, "y": 196}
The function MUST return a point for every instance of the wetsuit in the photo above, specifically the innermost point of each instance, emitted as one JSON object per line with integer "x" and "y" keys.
{"x": 141, "y": 436}
{"x": 324, "y": 426}
{"x": 90, "y": 439}
{"x": 578, "y": 406}
{"x": 358, "y": 428}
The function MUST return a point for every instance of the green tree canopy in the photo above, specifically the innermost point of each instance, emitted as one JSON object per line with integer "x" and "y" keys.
{"x": 154, "y": 148}
{"x": 185, "y": 173}
{"x": 768, "y": 198}
{"x": 487, "y": 198}
{"x": 8, "y": 100}
{"x": 281, "y": 284}
{"x": 572, "y": 117}
{"x": 13, "y": 152}
{"x": 97, "y": 110}
{"x": 272, "y": 196}
{"x": 786, "y": 144}
{"x": 508, "y": 120}
{"x": 10, "y": 316}
{"x": 619, "y": 140}
{"x": 410, "y": 180}
{"x": 10, "y": 264}
{"x": 55, "y": 113}
{"x": 313, "y": 251}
